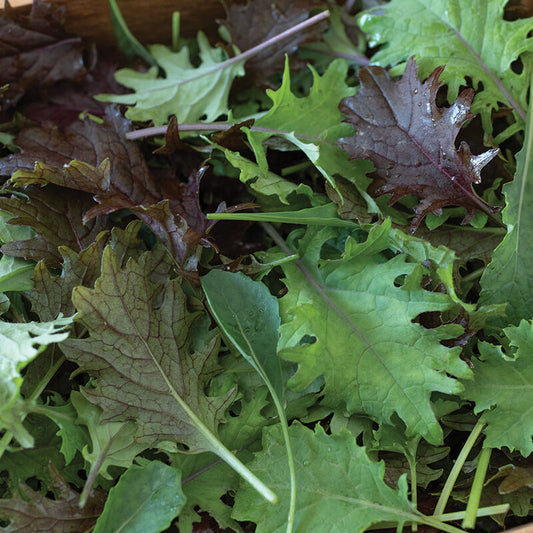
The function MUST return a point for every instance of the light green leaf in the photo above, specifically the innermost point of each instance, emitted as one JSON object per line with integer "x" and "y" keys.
{"x": 20, "y": 344}
{"x": 375, "y": 358}
{"x": 507, "y": 279}
{"x": 10, "y": 232}
{"x": 145, "y": 500}
{"x": 503, "y": 388}
{"x": 470, "y": 37}
{"x": 189, "y": 93}
{"x": 340, "y": 488}
{"x": 264, "y": 183}
{"x": 16, "y": 274}
{"x": 112, "y": 443}
{"x": 313, "y": 123}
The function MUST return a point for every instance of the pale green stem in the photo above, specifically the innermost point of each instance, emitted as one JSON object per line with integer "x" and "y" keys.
{"x": 482, "y": 511}
{"x": 472, "y": 506}
{"x": 473, "y": 275}
{"x": 460, "y": 461}
{"x": 290, "y": 456}
{"x": 414, "y": 489}
{"x": 175, "y": 30}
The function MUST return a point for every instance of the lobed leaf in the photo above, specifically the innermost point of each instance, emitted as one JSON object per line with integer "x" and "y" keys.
{"x": 20, "y": 343}
{"x": 502, "y": 390}
{"x": 339, "y": 488}
{"x": 191, "y": 93}
{"x": 412, "y": 142}
{"x": 140, "y": 352}
{"x": 365, "y": 341}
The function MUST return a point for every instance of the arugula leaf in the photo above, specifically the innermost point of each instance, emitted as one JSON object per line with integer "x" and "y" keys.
{"x": 340, "y": 488}
{"x": 145, "y": 500}
{"x": 507, "y": 278}
{"x": 185, "y": 91}
{"x": 470, "y": 37}
{"x": 502, "y": 390}
{"x": 370, "y": 334}
{"x": 249, "y": 315}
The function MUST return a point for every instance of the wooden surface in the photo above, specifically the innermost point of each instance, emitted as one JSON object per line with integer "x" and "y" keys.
{"x": 148, "y": 20}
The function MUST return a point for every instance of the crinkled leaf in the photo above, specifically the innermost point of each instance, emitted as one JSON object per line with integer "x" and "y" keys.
{"x": 470, "y": 37}
{"x": 23, "y": 65}
{"x": 371, "y": 335}
{"x": 33, "y": 512}
{"x": 191, "y": 93}
{"x": 20, "y": 343}
{"x": 145, "y": 500}
{"x": 52, "y": 294}
{"x": 507, "y": 278}
{"x": 142, "y": 358}
{"x": 56, "y": 216}
{"x": 312, "y": 123}
{"x": 256, "y": 21}
{"x": 115, "y": 172}
{"x": 503, "y": 390}
{"x": 339, "y": 488}
{"x": 412, "y": 142}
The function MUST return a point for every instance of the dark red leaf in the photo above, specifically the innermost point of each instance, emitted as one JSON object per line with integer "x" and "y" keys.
{"x": 56, "y": 215}
{"x": 36, "y": 513}
{"x": 35, "y": 52}
{"x": 114, "y": 171}
{"x": 259, "y": 20}
{"x": 412, "y": 142}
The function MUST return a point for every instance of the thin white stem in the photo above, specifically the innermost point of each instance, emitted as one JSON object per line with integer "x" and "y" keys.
{"x": 260, "y": 47}
{"x": 208, "y": 126}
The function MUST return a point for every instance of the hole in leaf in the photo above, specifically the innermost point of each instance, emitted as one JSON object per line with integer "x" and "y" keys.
{"x": 307, "y": 339}
{"x": 399, "y": 281}
{"x": 517, "y": 66}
